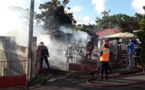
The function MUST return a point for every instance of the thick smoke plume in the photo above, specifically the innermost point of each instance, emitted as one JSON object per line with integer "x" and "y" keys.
{"x": 57, "y": 45}
{"x": 15, "y": 22}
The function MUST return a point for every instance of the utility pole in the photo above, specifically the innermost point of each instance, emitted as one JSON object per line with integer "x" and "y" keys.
{"x": 30, "y": 39}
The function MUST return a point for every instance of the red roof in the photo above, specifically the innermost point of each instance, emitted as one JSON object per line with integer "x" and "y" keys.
{"x": 106, "y": 32}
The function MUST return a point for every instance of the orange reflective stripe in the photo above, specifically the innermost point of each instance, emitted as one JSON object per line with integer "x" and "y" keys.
{"x": 105, "y": 55}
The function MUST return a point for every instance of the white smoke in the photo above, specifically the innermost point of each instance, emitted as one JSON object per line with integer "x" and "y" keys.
{"x": 58, "y": 47}
{"x": 12, "y": 20}
{"x": 16, "y": 23}
{"x": 77, "y": 35}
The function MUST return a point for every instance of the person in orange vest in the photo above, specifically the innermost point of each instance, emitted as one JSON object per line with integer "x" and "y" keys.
{"x": 104, "y": 62}
{"x": 42, "y": 51}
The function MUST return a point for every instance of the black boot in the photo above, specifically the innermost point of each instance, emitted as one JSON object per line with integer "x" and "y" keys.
{"x": 100, "y": 78}
{"x": 44, "y": 81}
{"x": 106, "y": 77}
{"x": 93, "y": 72}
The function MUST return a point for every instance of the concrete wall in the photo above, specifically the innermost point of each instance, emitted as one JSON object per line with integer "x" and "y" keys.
{"x": 10, "y": 51}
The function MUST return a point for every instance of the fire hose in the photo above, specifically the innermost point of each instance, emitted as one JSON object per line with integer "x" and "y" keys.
{"x": 118, "y": 76}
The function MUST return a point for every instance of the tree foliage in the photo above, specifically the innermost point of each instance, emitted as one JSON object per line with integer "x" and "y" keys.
{"x": 141, "y": 36}
{"x": 129, "y": 23}
{"x": 53, "y": 14}
{"x": 103, "y": 23}
{"x": 121, "y": 21}
{"x": 82, "y": 28}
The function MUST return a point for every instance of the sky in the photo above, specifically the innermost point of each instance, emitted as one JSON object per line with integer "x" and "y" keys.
{"x": 86, "y": 11}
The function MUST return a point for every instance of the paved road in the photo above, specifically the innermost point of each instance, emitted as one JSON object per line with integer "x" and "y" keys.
{"x": 66, "y": 84}
{"x": 78, "y": 84}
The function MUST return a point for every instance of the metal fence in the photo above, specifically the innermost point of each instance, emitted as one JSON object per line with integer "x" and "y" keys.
{"x": 13, "y": 68}
{"x": 13, "y": 73}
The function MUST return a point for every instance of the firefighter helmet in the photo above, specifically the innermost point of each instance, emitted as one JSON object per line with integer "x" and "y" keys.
{"x": 42, "y": 43}
{"x": 70, "y": 45}
{"x": 106, "y": 43}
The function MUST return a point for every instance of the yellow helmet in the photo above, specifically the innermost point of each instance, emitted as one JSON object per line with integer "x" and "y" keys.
{"x": 70, "y": 45}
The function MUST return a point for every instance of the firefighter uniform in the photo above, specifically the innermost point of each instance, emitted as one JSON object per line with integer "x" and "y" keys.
{"x": 137, "y": 55}
{"x": 104, "y": 62}
{"x": 69, "y": 53}
{"x": 43, "y": 53}
{"x": 89, "y": 50}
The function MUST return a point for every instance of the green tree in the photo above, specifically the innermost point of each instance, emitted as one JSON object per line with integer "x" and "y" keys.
{"x": 127, "y": 23}
{"x": 53, "y": 14}
{"x": 121, "y": 21}
{"x": 80, "y": 27}
{"x": 103, "y": 23}
{"x": 141, "y": 36}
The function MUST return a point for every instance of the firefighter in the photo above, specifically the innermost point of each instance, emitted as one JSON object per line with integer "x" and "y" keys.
{"x": 137, "y": 55}
{"x": 69, "y": 53}
{"x": 44, "y": 54}
{"x": 95, "y": 53}
{"x": 104, "y": 62}
{"x": 89, "y": 49}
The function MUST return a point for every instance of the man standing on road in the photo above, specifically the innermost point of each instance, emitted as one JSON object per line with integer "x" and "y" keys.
{"x": 130, "y": 54}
